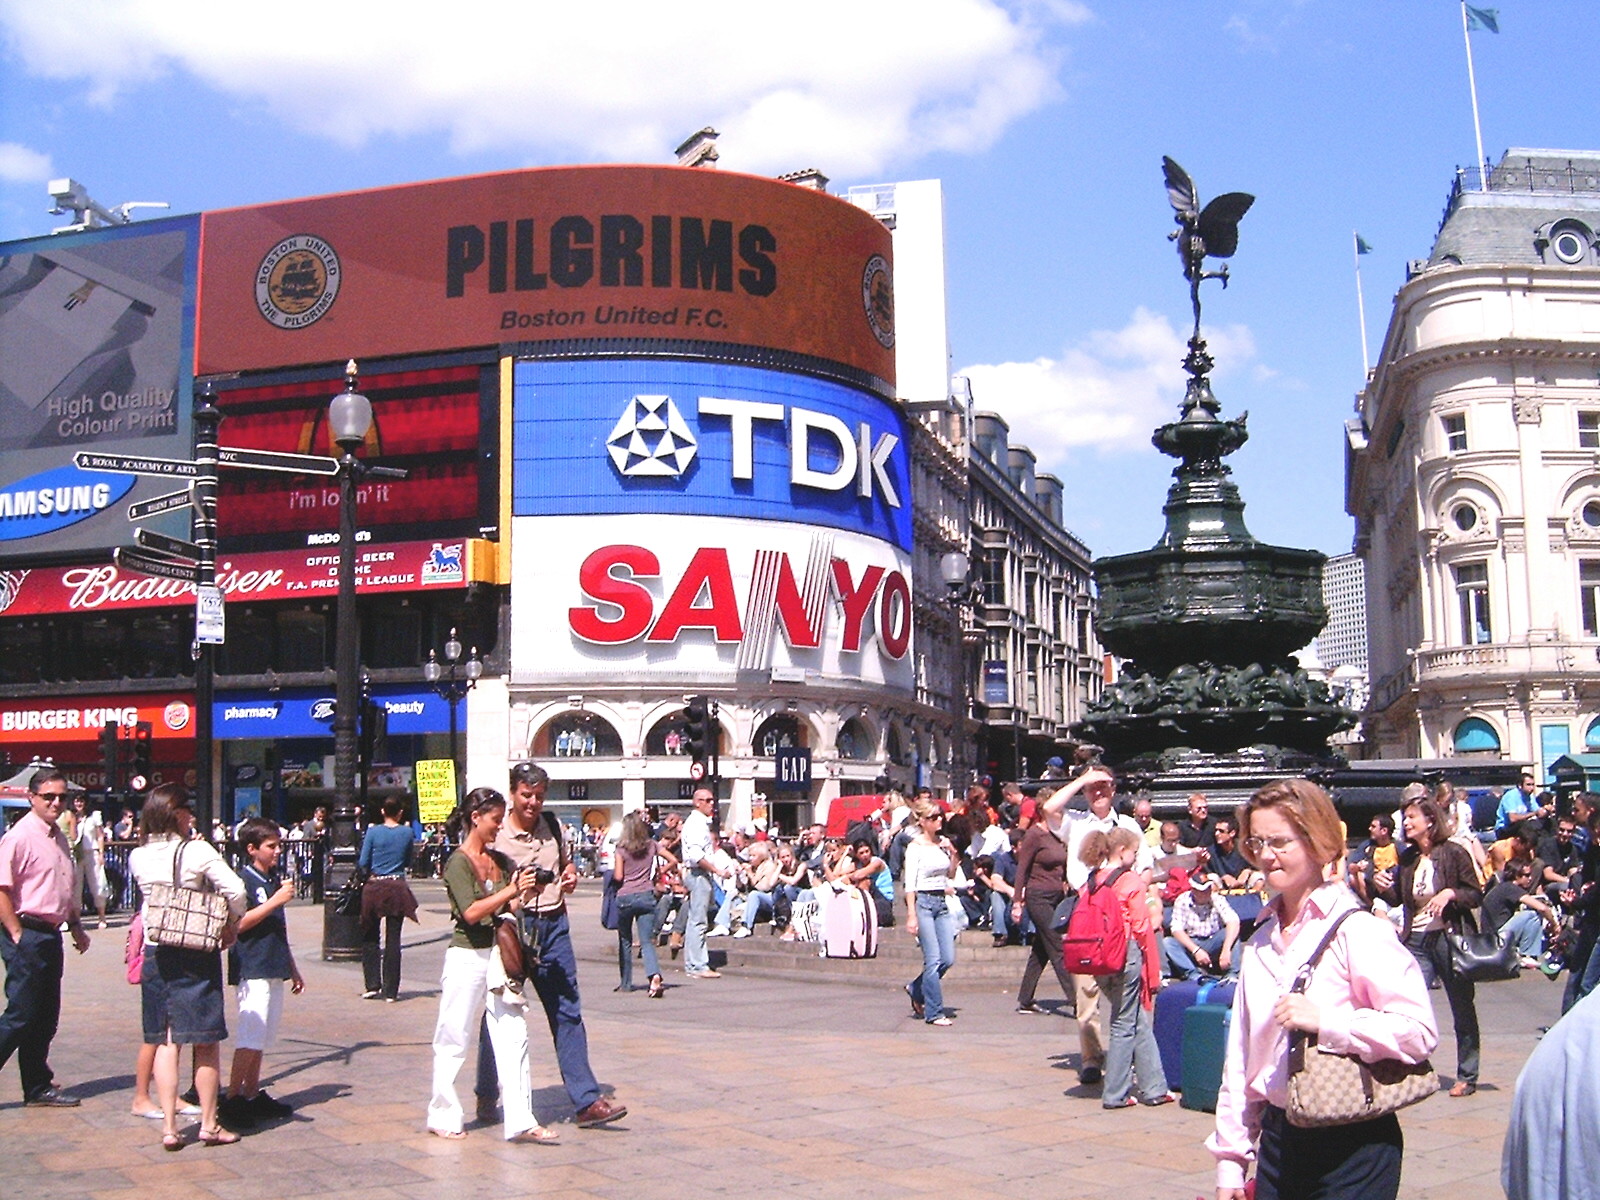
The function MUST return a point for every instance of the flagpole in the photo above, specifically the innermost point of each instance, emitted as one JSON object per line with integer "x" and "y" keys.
{"x": 1361, "y": 308}
{"x": 1472, "y": 86}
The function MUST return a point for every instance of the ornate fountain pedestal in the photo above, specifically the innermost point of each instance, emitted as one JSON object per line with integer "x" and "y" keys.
{"x": 1208, "y": 619}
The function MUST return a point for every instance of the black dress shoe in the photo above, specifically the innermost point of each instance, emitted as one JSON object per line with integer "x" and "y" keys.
{"x": 52, "y": 1097}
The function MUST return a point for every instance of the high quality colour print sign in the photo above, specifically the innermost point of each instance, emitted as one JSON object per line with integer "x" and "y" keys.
{"x": 95, "y": 344}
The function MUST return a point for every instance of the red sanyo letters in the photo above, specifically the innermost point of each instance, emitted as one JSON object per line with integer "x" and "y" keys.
{"x": 621, "y": 609}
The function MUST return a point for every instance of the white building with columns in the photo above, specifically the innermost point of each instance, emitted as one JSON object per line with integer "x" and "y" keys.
{"x": 1474, "y": 476}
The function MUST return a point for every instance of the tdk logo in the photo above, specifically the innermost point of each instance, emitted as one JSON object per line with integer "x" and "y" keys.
{"x": 651, "y": 438}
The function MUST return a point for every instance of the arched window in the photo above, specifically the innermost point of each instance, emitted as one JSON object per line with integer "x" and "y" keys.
{"x": 1591, "y": 736}
{"x": 1476, "y": 736}
{"x": 778, "y": 730}
{"x": 668, "y": 736}
{"x": 855, "y": 740}
{"x": 894, "y": 747}
{"x": 577, "y": 734}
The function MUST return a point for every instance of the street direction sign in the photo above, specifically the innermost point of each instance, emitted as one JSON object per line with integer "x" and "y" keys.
{"x": 133, "y": 465}
{"x": 160, "y": 504}
{"x": 272, "y": 460}
{"x": 145, "y": 564}
{"x": 149, "y": 539}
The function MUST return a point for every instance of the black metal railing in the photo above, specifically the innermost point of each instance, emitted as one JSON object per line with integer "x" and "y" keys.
{"x": 1530, "y": 176}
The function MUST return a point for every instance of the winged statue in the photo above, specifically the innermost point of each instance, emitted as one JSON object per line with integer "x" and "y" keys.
{"x": 1209, "y": 232}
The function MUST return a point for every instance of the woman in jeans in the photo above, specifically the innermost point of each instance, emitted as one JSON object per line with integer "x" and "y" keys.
{"x": 1131, "y": 995}
{"x": 1041, "y": 883}
{"x": 635, "y": 870}
{"x": 386, "y": 900}
{"x": 930, "y": 862}
{"x": 1438, "y": 885}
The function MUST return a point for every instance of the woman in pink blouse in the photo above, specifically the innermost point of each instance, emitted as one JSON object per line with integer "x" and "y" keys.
{"x": 1366, "y": 997}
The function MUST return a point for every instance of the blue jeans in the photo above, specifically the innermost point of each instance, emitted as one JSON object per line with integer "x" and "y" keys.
{"x": 641, "y": 907}
{"x": 34, "y": 963}
{"x": 695, "y": 958}
{"x": 756, "y": 904}
{"x": 936, "y": 934}
{"x": 1183, "y": 965}
{"x": 1133, "y": 1048}
{"x": 556, "y": 983}
{"x": 1526, "y": 930}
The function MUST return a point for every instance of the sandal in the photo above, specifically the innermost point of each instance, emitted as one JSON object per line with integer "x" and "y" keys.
{"x": 658, "y": 988}
{"x": 537, "y": 1136}
{"x": 218, "y": 1137}
{"x": 1463, "y": 1088}
{"x": 171, "y": 1141}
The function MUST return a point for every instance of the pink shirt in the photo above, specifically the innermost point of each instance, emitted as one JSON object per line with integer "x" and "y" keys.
{"x": 36, "y": 870}
{"x": 1369, "y": 992}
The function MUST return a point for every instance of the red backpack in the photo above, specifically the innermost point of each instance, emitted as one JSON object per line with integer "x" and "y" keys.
{"x": 1096, "y": 938}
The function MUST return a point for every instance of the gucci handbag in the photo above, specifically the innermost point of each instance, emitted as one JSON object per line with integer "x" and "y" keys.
{"x": 183, "y": 917}
{"x": 1339, "y": 1089}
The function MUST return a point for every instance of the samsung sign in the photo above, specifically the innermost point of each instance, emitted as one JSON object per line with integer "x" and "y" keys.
{"x": 55, "y": 499}
{"x": 620, "y": 436}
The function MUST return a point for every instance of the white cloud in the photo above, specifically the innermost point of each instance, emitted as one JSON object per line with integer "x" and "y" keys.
{"x": 18, "y": 164}
{"x": 848, "y": 87}
{"x": 1108, "y": 392}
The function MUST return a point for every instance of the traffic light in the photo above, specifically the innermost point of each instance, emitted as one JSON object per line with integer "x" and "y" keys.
{"x": 697, "y": 733}
{"x": 108, "y": 756}
{"x": 139, "y": 773}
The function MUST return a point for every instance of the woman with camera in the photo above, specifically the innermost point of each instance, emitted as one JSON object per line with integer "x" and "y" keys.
{"x": 482, "y": 885}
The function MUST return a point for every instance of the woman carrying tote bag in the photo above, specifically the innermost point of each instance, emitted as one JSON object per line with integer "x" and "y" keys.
{"x": 180, "y": 990}
{"x": 1366, "y": 999}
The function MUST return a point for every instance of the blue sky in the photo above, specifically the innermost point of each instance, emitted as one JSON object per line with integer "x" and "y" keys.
{"x": 1046, "y": 120}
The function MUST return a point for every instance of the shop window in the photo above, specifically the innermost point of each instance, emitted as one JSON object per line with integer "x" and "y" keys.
{"x": 393, "y": 636}
{"x": 302, "y": 641}
{"x": 668, "y": 736}
{"x": 780, "y": 730}
{"x": 158, "y": 647}
{"x": 248, "y": 650}
{"x": 1476, "y": 736}
{"x": 1472, "y": 598}
{"x": 855, "y": 741}
{"x": 24, "y": 650}
{"x": 1591, "y": 736}
{"x": 577, "y": 734}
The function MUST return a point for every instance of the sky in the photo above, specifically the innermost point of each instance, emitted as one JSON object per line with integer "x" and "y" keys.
{"x": 1046, "y": 120}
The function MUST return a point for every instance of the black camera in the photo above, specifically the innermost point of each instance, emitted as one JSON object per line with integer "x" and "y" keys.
{"x": 543, "y": 876}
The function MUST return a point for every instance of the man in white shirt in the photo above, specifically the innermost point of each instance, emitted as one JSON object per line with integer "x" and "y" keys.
{"x": 89, "y": 854}
{"x": 700, "y": 862}
{"x": 1099, "y": 788}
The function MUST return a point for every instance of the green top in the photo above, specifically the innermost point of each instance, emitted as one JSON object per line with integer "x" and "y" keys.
{"x": 466, "y": 889}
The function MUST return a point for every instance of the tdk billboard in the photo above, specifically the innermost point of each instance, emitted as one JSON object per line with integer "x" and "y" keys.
{"x": 616, "y": 436}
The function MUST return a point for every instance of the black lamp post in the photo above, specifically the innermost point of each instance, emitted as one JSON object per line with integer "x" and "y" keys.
{"x": 349, "y": 420}
{"x": 955, "y": 570}
{"x": 452, "y": 680}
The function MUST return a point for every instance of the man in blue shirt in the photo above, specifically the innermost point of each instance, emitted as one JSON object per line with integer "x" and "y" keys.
{"x": 1518, "y": 805}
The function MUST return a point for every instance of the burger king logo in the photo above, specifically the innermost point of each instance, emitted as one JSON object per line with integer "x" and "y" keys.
{"x": 297, "y": 281}
{"x": 176, "y": 716}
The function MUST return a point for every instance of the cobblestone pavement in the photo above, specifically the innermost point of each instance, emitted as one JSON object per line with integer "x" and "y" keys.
{"x": 737, "y": 1086}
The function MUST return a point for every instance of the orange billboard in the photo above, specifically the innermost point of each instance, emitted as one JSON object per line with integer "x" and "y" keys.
{"x": 670, "y": 257}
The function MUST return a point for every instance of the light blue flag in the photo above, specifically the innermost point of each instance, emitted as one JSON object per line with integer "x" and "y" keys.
{"x": 1483, "y": 18}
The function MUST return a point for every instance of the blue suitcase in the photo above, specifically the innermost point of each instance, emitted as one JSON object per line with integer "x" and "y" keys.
{"x": 1205, "y": 1045}
{"x": 1172, "y": 1002}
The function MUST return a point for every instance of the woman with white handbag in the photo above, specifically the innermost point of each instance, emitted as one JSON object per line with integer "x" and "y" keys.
{"x": 1321, "y": 984}
{"x": 180, "y": 987}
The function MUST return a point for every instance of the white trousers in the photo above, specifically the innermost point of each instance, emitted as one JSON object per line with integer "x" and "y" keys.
{"x": 462, "y": 996}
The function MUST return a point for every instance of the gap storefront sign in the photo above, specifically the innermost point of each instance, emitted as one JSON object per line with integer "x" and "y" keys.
{"x": 309, "y": 714}
{"x": 709, "y": 519}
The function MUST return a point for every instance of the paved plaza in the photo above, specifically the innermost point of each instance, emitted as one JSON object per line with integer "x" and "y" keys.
{"x": 741, "y": 1086}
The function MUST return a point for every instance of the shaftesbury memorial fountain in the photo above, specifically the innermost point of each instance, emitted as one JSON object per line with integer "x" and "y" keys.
{"x": 1208, "y": 619}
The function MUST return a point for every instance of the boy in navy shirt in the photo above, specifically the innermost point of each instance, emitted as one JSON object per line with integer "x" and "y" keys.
{"x": 258, "y": 963}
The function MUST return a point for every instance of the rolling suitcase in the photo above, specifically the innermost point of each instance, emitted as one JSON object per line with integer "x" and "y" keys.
{"x": 1172, "y": 1002}
{"x": 849, "y": 925}
{"x": 1205, "y": 1044}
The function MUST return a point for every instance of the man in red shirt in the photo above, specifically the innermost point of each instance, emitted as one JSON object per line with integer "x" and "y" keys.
{"x": 36, "y": 898}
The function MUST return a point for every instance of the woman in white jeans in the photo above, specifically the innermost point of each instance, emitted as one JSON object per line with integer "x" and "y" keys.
{"x": 481, "y": 884}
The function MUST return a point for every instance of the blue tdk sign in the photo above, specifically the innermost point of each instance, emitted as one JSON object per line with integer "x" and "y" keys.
{"x": 705, "y": 439}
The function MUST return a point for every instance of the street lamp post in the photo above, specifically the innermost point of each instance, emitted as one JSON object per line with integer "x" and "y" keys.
{"x": 349, "y": 420}
{"x": 955, "y": 570}
{"x": 452, "y": 680}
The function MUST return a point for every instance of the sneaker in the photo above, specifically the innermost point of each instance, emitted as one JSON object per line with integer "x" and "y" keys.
{"x": 238, "y": 1112}
{"x": 265, "y": 1106}
{"x": 1029, "y": 1009}
{"x": 371, "y": 994}
{"x": 741, "y": 932}
{"x": 1090, "y": 1076}
{"x": 1528, "y": 963}
{"x": 718, "y": 931}
{"x": 939, "y": 1021}
{"x": 708, "y": 973}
